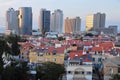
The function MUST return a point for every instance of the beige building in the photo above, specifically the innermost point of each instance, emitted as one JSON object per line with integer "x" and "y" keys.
{"x": 111, "y": 67}
{"x": 89, "y": 22}
{"x": 68, "y": 26}
{"x": 55, "y": 55}
{"x": 33, "y": 57}
{"x": 72, "y": 25}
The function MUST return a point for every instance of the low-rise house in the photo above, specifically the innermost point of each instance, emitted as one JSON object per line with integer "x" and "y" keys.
{"x": 47, "y": 54}
{"x": 25, "y": 50}
{"x": 97, "y": 56}
{"x": 111, "y": 67}
{"x": 79, "y": 66}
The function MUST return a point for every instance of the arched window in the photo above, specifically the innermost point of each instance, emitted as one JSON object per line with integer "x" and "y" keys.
{"x": 111, "y": 71}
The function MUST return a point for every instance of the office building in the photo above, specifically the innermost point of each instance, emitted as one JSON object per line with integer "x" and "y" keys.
{"x": 72, "y": 25}
{"x": 99, "y": 20}
{"x": 12, "y": 21}
{"x": 57, "y": 21}
{"x": 89, "y": 22}
{"x": 77, "y": 24}
{"x": 115, "y": 28}
{"x": 95, "y": 21}
{"x": 25, "y": 20}
{"x": 44, "y": 20}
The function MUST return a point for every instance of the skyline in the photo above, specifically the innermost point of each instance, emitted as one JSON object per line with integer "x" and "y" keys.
{"x": 74, "y": 8}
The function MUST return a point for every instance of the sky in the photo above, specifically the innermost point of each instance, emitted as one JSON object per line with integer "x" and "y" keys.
{"x": 71, "y": 8}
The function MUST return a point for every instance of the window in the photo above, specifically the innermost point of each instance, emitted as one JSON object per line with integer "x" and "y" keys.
{"x": 81, "y": 72}
{"x": 111, "y": 71}
{"x": 89, "y": 73}
{"x": 95, "y": 52}
{"x": 99, "y": 59}
{"x": 61, "y": 60}
{"x": 93, "y": 59}
{"x": 40, "y": 59}
{"x": 69, "y": 72}
{"x": 118, "y": 68}
{"x": 76, "y": 72}
{"x": 54, "y": 59}
{"x": 47, "y": 59}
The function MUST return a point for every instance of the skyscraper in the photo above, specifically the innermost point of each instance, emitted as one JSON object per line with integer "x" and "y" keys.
{"x": 68, "y": 25}
{"x": 89, "y": 22}
{"x": 57, "y": 21}
{"x": 77, "y": 24}
{"x": 25, "y": 20}
{"x": 72, "y": 25}
{"x": 95, "y": 21}
{"x": 44, "y": 20}
{"x": 99, "y": 20}
{"x": 12, "y": 21}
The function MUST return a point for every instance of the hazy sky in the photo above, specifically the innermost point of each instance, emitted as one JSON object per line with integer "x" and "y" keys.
{"x": 71, "y": 8}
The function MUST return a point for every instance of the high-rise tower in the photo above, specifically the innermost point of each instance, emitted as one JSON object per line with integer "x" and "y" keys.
{"x": 99, "y": 20}
{"x": 89, "y": 22}
{"x": 12, "y": 21}
{"x": 44, "y": 20}
{"x": 57, "y": 21}
{"x": 72, "y": 25}
{"x": 95, "y": 21}
{"x": 25, "y": 20}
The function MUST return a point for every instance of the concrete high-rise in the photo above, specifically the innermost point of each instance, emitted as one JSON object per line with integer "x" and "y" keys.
{"x": 12, "y": 21}
{"x": 68, "y": 25}
{"x": 72, "y": 25}
{"x": 25, "y": 20}
{"x": 57, "y": 21}
{"x": 99, "y": 20}
{"x": 77, "y": 24}
{"x": 95, "y": 21}
{"x": 44, "y": 20}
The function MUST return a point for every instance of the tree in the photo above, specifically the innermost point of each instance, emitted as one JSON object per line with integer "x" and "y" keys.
{"x": 13, "y": 41}
{"x": 61, "y": 38}
{"x": 4, "y": 48}
{"x": 17, "y": 71}
{"x": 43, "y": 32}
{"x": 89, "y": 34}
{"x": 50, "y": 71}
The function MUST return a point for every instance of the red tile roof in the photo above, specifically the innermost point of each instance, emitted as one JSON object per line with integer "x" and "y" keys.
{"x": 87, "y": 60}
{"x": 118, "y": 50}
{"x": 87, "y": 43}
{"x": 58, "y": 50}
{"x": 26, "y": 45}
{"x": 75, "y": 53}
{"x": 98, "y": 49}
{"x": 107, "y": 46}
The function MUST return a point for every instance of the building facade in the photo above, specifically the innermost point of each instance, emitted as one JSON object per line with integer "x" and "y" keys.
{"x": 89, "y": 22}
{"x": 99, "y": 20}
{"x": 95, "y": 21}
{"x": 25, "y": 20}
{"x": 68, "y": 25}
{"x": 79, "y": 67}
{"x": 115, "y": 28}
{"x": 44, "y": 20}
{"x": 57, "y": 21}
{"x": 12, "y": 21}
{"x": 77, "y": 27}
{"x": 72, "y": 25}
